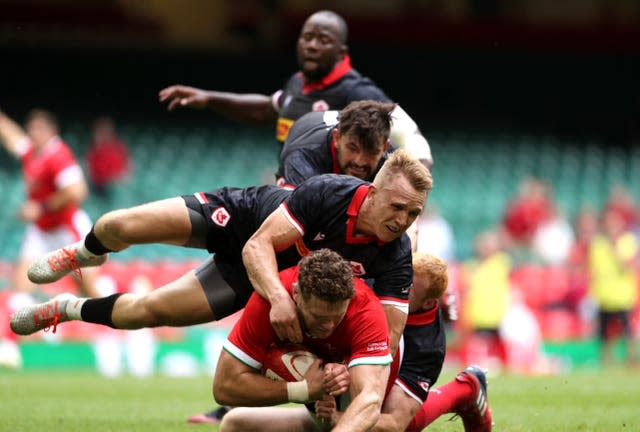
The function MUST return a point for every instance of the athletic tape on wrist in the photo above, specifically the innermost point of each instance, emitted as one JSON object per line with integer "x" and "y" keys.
{"x": 298, "y": 391}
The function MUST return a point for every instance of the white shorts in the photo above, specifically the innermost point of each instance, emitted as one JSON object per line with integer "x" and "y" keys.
{"x": 37, "y": 242}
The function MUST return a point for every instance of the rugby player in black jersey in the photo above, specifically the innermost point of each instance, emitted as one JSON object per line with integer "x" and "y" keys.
{"x": 326, "y": 81}
{"x": 354, "y": 141}
{"x": 254, "y": 232}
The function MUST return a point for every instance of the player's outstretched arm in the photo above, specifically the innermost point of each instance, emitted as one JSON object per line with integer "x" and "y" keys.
{"x": 12, "y": 135}
{"x": 237, "y": 384}
{"x": 244, "y": 107}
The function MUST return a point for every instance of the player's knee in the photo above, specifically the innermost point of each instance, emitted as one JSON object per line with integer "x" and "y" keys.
{"x": 115, "y": 224}
{"x": 234, "y": 421}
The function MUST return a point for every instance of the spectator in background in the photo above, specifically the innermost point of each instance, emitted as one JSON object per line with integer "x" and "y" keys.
{"x": 55, "y": 188}
{"x": 432, "y": 234}
{"x": 613, "y": 265}
{"x": 435, "y": 235}
{"x": 486, "y": 299}
{"x": 107, "y": 157}
{"x": 326, "y": 81}
{"x": 621, "y": 201}
{"x": 552, "y": 239}
{"x": 524, "y": 214}
{"x": 585, "y": 227}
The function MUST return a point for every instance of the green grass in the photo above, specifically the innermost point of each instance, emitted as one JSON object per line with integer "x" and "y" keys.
{"x": 589, "y": 400}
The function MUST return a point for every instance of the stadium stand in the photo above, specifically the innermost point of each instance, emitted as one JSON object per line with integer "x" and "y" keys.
{"x": 475, "y": 174}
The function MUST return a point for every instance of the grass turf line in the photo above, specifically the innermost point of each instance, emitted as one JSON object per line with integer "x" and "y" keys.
{"x": 591, "y": 400}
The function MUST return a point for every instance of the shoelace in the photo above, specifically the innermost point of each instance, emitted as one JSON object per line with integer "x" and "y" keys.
{"x": 53, "y": 323}
{"x": 65, "y": 259}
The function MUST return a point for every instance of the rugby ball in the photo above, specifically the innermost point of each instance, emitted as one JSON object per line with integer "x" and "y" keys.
{"x": 288, "y": 362}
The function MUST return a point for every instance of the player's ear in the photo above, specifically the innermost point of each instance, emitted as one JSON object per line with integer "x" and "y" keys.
{"x": 387, "y": 144}
{"x": 335, "y": 134}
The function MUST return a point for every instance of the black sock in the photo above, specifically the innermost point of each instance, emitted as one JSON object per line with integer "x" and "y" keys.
{"x": 94, "y": 245}
{"x": 98, "y": 310}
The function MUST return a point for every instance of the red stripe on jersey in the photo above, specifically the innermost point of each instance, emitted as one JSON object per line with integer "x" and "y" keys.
{"x": 202, "y": 198}
{"x": 352, "y": 213}
{"x": 341, "y": 69}
{"x": 423, "y": 317}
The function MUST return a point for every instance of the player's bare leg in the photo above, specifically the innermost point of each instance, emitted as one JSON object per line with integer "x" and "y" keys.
{"x": 165, "y": 221}
{"x": 277, "y": 419}
{"x": 177, "y": 304}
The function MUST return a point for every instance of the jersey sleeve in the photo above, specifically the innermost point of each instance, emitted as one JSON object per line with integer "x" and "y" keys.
{"x": 252, "y": 334}
{"x": 368, "y": 90}
{"x": 307, "y": 204}
{"x": 277, "y": 96}
{"x": 297, "y": 168}
{"x": 65, "y": 169}
{"x": 370, "y": 331}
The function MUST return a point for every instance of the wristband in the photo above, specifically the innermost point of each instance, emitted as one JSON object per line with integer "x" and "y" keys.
{"x": 298, "y": 391}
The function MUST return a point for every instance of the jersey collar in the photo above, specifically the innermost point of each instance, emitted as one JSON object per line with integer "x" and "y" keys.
{"x": 423, "y": 317}
{"x": 352, "y": 216}
{"x": 342, "y": 68}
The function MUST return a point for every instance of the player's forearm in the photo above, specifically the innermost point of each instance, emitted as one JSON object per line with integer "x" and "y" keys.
{"x": 259, "y": 259}
{"x": 396, "y": 320}
{"x": 250, "y": 107}
{"x": 388, "y": 423}
{"x": 397, "y": 411}
{"x": 74, "y": 193}
{"x": 11, "y": 134}
{"x": 368, "y": 384}
{"x": 249, "y": 389}
{"x": 362, "y": 414}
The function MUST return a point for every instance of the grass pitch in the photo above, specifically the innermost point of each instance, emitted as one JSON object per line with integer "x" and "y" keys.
{"x": 603, "y": 400}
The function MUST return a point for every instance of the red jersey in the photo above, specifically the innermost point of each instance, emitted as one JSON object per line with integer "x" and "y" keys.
{"x": 362, "y": 337}
{"x": 108, "y": 161}
{"x": 52, "y": 168}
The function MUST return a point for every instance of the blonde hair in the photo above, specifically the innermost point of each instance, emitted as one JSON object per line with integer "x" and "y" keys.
{"x": 427, "y": 266}
{"x": 401, "y": 162}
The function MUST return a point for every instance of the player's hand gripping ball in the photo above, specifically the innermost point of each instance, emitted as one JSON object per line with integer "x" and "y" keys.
{"x": 288, "y": 362}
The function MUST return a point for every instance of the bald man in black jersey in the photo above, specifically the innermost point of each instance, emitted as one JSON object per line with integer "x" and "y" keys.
{"x": 326, "y": 81}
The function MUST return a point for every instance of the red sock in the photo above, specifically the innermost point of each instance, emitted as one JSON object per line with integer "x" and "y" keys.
{"x": 441, "y": 400}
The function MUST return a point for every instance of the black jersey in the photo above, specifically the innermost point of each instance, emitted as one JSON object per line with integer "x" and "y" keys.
{"x": 324, "y": 210}
{"x": 423, "y": 347}
{"x": 340, "y": 87}
{"x": 310, "y": 150}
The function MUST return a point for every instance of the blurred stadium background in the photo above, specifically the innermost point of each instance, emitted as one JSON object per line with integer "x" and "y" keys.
{"x": 503, "y": 91}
